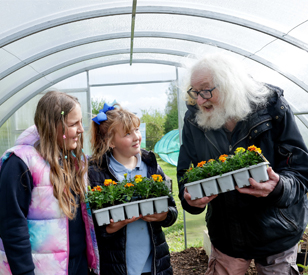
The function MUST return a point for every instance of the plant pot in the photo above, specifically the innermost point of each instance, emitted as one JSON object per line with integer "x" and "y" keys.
{"x": 102, "y": 216}
{"x": 131, "y": 209}
{"x": 194, "y": 189}
{"x": 160, "y": 204}
{"x": 146, "y": 207}
{"x": 210, "y": 186}
{"x": 259, "y": 172}
{"x": 241, "y": 177}
{"x": 301, "y": 259}
{"x": 117, "y": 213}
{"x": 226, "y": 182}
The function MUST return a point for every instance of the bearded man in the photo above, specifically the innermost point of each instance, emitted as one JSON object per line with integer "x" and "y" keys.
{"x": 228, "y": 109}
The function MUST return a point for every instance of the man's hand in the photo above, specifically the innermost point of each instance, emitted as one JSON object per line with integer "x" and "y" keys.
{"x": 262, "y": 189}
{"x": 201, "y": 203}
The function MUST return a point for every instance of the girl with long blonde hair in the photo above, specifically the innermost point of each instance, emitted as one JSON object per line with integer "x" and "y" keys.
{"x": 44, "y": 223}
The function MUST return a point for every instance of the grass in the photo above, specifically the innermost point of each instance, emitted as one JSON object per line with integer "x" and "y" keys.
{"x": 194, "y": 223}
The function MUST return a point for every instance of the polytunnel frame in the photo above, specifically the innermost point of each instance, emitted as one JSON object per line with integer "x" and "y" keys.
{"x": 140, "y": 10}
{"x": 142, "y": 50}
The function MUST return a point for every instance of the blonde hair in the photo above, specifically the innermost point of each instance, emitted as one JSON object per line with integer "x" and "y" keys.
{"x": 69, "y": 178}
{"x": 103, "y": 134}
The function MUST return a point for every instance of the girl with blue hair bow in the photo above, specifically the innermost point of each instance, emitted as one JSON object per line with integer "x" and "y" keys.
{"x": 134, "y": 246}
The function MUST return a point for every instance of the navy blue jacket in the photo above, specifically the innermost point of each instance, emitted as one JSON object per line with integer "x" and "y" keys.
{"x": 241, "y": 225}
{"x": 112, "y": 246}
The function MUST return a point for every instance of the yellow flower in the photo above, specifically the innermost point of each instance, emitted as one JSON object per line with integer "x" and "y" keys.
{"x": 137, "y": 180}
{"x": 138, "y": 176}
{"x": 158, "y": 178}
{"x": 239, "y": 150}
{"x": 255, "y": 149}
{"x": 125, "y": 175}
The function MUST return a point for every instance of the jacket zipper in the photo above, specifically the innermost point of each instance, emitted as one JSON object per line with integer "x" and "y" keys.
{"x": 196, "y": 125}
{"x": 231, "y": 147}
{"x": 212, "y": 143}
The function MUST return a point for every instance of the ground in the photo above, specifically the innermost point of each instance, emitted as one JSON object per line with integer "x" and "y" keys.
{"x": 194, "y": 260}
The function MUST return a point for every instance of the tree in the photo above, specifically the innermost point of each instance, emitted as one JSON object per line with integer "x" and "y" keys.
{"x": 97, "y": 104}
{"x": 154, "y": 126}
{"x": 171, "y": 121}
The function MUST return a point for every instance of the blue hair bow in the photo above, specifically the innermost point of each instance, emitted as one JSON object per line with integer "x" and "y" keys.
{"x": 101, "y": 116}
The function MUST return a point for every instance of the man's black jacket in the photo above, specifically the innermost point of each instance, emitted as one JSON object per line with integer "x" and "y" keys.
{"x": 244, "y": 226}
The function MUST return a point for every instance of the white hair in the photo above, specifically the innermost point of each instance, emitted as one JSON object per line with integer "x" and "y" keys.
{"x": 239, "y": 93}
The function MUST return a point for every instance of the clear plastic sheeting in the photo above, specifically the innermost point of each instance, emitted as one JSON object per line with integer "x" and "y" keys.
{"x": 42, "y": 43}
{"x": 168, "y": 147}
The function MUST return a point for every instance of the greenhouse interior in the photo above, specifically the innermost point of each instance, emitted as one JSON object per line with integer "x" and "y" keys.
{"x": 108, "y": 49}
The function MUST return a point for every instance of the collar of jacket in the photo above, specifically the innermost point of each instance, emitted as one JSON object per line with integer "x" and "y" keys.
{"x": 147, "y": 157}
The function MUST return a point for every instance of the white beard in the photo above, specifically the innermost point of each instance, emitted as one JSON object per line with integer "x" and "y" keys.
{"x": 212, "y": 120}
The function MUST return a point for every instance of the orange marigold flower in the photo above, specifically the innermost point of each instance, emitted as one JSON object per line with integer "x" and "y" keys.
{"x": 158, "y": 178}
{"x": 200, "y": 164}
{"x": 98, "y": 188}
{"x": 107, "y": 182}
{"x": 114, "y": 183}
{"x": 129, "y": 184}
{"x": 210, "y": 160}
{"x": 255, "y": 149}
{"x": 222, "y": 158}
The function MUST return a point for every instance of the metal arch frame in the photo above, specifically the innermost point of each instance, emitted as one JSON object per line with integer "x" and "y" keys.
{"x": 52, "y": 21}
{"x": 85, "y": 58}
{"x": 162, "y": 62}
{"x": 118, "y": 62}
{"x": 224, "y": 46}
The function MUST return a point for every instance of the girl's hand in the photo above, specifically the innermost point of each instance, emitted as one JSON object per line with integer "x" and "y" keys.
{"x": 115, "y": 226}
{"x": 261, "y": 189}
{"x": 158, "y": 217}
{"x": 200, "y": 203}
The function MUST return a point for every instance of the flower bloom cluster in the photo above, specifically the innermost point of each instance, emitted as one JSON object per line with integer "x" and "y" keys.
{"x": 253, "y": 148}
{"x": 138, "y": 178}
{"x": 108, "y": 182}
{"x": 157, "y": 178}
{"x": 200, "y": 164}
{"x": 223, "y": 158}
{"x": 225, "y": 163}
{"x": 136, "y": 188}
{"x": 97, "y": 188}
{"x": 129, "y": 184}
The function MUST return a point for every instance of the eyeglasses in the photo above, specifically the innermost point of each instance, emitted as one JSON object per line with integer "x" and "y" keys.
{"x": 205, "y": 94}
